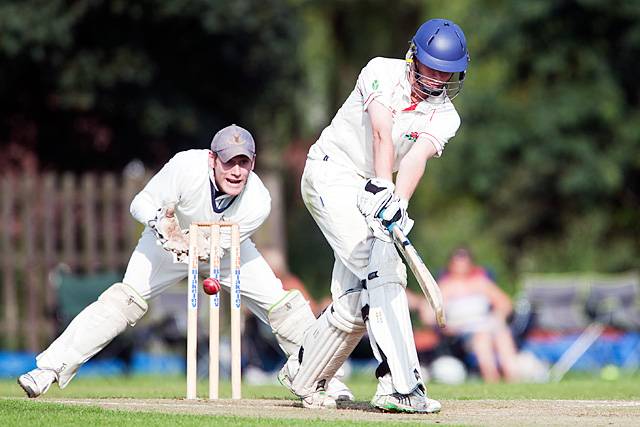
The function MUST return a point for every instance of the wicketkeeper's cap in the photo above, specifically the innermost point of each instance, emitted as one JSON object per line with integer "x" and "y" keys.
{"x": 233, "y": 141}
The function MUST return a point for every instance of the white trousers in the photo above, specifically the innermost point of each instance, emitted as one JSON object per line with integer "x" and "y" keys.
{"x": 151, "y": 270}
{"x": 330, "y": 193}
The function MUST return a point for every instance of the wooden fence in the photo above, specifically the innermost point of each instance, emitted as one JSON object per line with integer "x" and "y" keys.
{"x": 79, "y": 221}
{"x": 49, "y": 219}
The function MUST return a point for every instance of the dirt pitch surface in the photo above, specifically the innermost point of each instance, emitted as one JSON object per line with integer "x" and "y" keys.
{"x": 465, "y": 412}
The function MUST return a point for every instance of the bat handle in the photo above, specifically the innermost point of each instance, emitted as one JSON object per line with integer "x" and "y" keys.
{"x": 391, "y": 225}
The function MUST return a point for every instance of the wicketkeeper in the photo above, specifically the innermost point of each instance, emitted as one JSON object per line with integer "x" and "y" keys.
{"x": 195, "y": 185}
{"x": 398, "y": 116}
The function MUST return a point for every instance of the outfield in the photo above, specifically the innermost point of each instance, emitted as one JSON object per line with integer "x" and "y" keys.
{"x": 154, "y": 401}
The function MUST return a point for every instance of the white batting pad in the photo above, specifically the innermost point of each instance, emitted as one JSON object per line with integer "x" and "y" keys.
{"x": 391, "y": 335}
{"x": 328, "y": 343}
{"x": 385, "y": 266}
{"x": 91, "y": 330}
{"x": 289, "y": 319}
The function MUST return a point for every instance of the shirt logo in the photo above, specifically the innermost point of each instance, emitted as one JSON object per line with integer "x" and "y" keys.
{"x": 375, "y": 85}
{"x": 412, "y": 136}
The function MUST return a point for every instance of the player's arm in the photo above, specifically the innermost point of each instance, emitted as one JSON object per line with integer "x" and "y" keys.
{"x": 161, "y": 191}
{"x": 412, "y": 167}
{"x": 378, "y": 191}
{"x": 383, "y": 151}
{"x": 500, "y": 301}
{"x": 155, "y": 205}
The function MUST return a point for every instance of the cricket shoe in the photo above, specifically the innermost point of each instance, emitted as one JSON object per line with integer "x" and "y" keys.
{"x": 409, "y": 403}
{"x": 318, "y": 399}
{"x": 388, "y": 400}
{"x": 37, "y": 381}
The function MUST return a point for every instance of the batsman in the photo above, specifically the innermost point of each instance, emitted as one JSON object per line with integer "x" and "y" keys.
{"x": 194, "y": 186}
{"x": 398, "y": 116}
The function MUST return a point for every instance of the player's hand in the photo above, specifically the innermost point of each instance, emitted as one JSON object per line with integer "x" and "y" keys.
{"x": 375, "y": 195}
{"x": 172, "y": 238}
{"x": 179, "y": 247}
{"x": 379, "y": 231}
{"x": 395, "y": 212}
{"x": 165, "y": 223}
{"x": 204, "y": 245}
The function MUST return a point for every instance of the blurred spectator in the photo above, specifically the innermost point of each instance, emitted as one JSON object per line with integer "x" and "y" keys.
{"x": 477, "y": 311}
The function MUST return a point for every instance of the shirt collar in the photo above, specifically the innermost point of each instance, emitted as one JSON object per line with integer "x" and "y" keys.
{"x": 219, "y": 200}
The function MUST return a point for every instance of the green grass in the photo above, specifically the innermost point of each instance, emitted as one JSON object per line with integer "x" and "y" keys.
{"x": 573, "y": 389}
{"x": 363, "y": 386}
{"x": 20, "y": 412}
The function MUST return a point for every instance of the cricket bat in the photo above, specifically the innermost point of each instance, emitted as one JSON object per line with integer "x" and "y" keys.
{"x": 421, "y": 272}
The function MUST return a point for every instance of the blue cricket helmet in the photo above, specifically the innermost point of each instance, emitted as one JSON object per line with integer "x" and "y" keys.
{"x": 440, "y": 44}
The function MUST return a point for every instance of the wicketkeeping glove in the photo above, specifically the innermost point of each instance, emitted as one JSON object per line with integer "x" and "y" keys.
{"x": 171, "y": 237}
{"x": 165, "y": 223}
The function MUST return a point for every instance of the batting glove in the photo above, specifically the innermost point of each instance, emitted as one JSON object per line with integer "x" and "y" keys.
{"x": 375, "y": 195}
{"x": 395, "y": 213}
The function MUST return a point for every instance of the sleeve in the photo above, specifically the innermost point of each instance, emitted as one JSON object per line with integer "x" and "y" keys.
{"x": 440, "y": 129}
{"x": 372, "y": 85}
{"x": 162, "y": 189}
{"x": 250, "y": 213}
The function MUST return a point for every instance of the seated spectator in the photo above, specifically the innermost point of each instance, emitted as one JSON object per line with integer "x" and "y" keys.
{"x": 477, "y": 311}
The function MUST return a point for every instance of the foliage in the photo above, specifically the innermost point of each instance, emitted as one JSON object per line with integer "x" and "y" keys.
{"x": 100, "y": 82}
{"x": 550, "y": 132}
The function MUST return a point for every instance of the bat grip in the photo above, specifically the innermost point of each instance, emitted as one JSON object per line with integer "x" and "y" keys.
{"x": 391, "y": 225}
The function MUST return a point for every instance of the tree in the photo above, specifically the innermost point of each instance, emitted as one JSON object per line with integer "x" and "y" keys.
{"x": 100, "y": 82}
{"x": 550, "y": 132}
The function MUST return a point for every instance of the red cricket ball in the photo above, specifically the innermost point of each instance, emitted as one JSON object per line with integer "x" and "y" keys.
{"x": 211, "y": 286}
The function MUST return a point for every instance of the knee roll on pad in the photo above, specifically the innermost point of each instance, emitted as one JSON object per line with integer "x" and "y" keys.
{"x": 385, "y": 266}
{"x": 289, "y": 319}
{"x": 345, "y": 313}
{"x": 126, "y": 300}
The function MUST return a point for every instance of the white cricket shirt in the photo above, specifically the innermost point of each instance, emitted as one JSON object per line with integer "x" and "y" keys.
{"x": 184, "y": 181}
{"x": 348, "y": 140}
